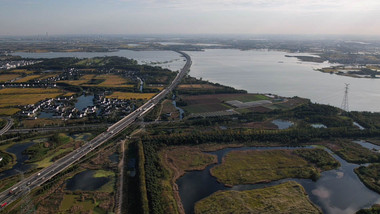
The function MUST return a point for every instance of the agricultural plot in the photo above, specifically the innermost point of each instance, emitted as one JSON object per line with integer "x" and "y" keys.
{"x": 8, "y": 77}
{"x": 105, "y": 80}
{"x": 9, "y": 111}
{"x": 242, "y": 103}
{"x": 216, "y": 102}
{"x": 22, "y": 71}
{"x": 202, "y": 108}
{"x": 198, "y": 86}
{"x": 27, "y": 78}
{"x": 130, "y": 96}
{"x": 24, "y": 96}
{"x": 111, "y": 80}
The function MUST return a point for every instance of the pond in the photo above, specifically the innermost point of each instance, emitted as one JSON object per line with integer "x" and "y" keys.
{"x": 181, "y": 111}
{"x": 283, "y": 124}
{"x": 367, "y": 145}
{"x": 18, "y": 150}
{"x": 85, "y": 181}
{"x": 318, "y": 126}
{"x": 46, "y": 115}
{"x": 84, "y": 101}
{"x": 358, "y": 125}
{"x": 336, "y": 191}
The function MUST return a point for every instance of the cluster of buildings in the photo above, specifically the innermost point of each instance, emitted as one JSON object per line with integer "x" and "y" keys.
{"x": 28, "y": 85}
{"x": 109, "y": 106}
{"x": 5, "y": 65}
{"x": 64, "y": 108}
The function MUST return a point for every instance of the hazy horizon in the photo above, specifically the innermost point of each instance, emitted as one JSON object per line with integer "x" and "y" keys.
{"x": 246, "y": 17}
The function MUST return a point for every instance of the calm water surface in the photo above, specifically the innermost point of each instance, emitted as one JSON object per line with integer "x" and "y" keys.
{"x": 18, "y": 150}
{"x": 337, "y": 191}
{"x": 85, "y": 181}
{"x": 84, "y": 101}
{"x": 261, "y": 71}
{"x": 282, "y": 124}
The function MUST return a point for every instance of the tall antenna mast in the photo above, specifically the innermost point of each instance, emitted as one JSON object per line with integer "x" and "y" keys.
{"x": 344, "y": 105}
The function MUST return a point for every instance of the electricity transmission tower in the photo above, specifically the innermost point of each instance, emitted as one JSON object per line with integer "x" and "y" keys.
{"x": 344, "y": 105}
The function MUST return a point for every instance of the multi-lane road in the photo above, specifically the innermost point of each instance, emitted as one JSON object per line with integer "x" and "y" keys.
{"x": 23, "y": 187}
{"x": 7, "y": 126}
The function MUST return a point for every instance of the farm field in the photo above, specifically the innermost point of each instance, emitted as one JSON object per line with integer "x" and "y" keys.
{"x": 9, "y": 111}
{"x": 22, "y": 71}
{"x": 216, "y": 102}
{"x": 25, "y": 96}
{"x": 8, "y": 77}
{"x": 198, "y": 86}
{"x": 289, "y": 197}
{"x": 201, "y": 108}
{"x": 129, "y": 95}
{"x": 105, "y": 80}
{"x": 250, "y": 167}
{"x": 27, "y": 78}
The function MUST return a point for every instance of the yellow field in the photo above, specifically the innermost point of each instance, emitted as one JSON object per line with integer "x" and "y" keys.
{"x": 25, "y": 96}
{"x": 156, "y": 87}
{"x": 24, "y": 99}
{"x": 74, "y": 82}
{"x": 197, "y": 86}
{"x": 8, "y": 111}
{"x": 29, "y": 90}
{"x": 68, "y": 94}
{"x": 111, "y": 79}
{"x": 48, "y": 76}
{"x": 87, "y": 77}
{"x": 27, "y": 78}
{"x": 129, "y": 95}
{"x": 22, "y": 71}
{"x": 7, "y": 77}
{"x": 109, "y": 86}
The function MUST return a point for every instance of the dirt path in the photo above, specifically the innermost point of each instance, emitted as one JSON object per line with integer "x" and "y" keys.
{"x": 176, "y": 174}
{"x": 119, "y": 195}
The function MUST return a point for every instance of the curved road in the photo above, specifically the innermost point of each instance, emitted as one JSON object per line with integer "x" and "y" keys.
{"x": 25, "y": 186}
{"x": 7, "y": 126}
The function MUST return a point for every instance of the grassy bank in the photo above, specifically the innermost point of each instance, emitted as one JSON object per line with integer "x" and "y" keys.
{"x": 142, "y": 181}
{"x": 289, "y": 197}
{"x": 353, "y": 152}
{"x": 249, "y": 167}
{"x": 370, "y": 176}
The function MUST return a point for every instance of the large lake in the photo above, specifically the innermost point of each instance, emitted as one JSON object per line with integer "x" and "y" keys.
{"x": 265, "y": 71}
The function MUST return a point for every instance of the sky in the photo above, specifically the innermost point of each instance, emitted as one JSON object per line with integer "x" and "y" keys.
{"x": 36, "y": 17}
